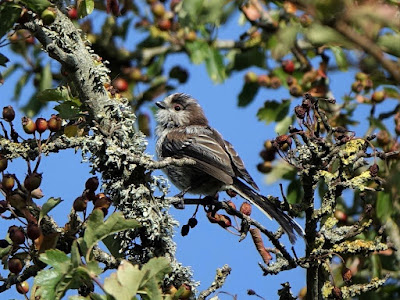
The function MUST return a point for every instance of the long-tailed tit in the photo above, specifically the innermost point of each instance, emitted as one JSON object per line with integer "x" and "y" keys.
{"x": 183, "y": 131}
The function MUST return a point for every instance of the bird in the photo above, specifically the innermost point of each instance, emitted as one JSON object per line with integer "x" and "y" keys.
{"x": 183, "y": 131}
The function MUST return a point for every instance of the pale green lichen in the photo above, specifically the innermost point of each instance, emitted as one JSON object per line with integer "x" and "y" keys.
{"x": 358, "y": 289}
{"x": 328, "y": 177}
{"x": 359, "y": 182}
{"x": 327, "y": 289}
{"x": 359, "y": 246}
{"x": 349, "y": 152}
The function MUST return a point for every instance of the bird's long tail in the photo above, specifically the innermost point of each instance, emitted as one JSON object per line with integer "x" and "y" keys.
{"x": 290, "y": 226}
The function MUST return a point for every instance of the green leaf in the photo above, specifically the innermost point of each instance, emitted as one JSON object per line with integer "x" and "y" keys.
{"x": 93, "y": 268}
{"x": 294, "y": 192}
{"x": 156, "y": 67}
{"x": 85, "y": 7}
{"x": 37, "y": 5}
{"x": 68, "y": 110}
{"x": 97, "y": 229}
{"x": 273, "y": 111}
{"x": 57, "y": 259}
{"x": 286, "y": 40}
{"x": 282, "y": 127}
{"x": 46, "y": 78}
{"x": 280, "y": 170}
{"x": 113, "y": 244}
{"x": 157, "y": 267}
{"x": 59, "y": 93}
{"x": 384, "y": 206}
{"x": 243, "y": 59}
{"x": 75, "y": 254}
{"x": 340, "y": 57}
{"x": 3, "y": 59}
{"x": 153, "y": 290}
{"x": 323, "y": 35}
{"x": 198, "y": 51}
{"x": 215, "y": 65}
{"x": 124, "y": 283}
{"x": 9, "y": 14}
{"x": 48, "y": 206}
{"x": 189, "y": 12}
{"x": 247, "y": 94}
{"x": 390, "y": 43}
{"x": 20, "y": 84}
{"x": 5, "y": 251}
{"x": 47, "y": 281}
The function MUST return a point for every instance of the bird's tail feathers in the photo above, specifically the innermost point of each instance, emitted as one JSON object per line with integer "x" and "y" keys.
{"x": 289, "y": 225}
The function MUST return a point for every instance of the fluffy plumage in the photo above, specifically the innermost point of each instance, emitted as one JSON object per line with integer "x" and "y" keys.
{"x": 183, "y": 131}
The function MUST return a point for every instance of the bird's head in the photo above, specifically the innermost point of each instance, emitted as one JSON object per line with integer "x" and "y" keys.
{"x": 179, "y": 110}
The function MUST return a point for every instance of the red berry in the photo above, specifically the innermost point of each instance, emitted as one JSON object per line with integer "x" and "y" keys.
{"x": 8, "y": 182}
{"x": 17, "y": 236}
{"x": 32, "y": 181}
{"x": 92, "y": 183}
{"x": 164, "y": 24}
{"x": 80, "y": 204}
{"x": 23, "y": 287}
{"x": 8, "y": 113}
{"x": 33, "y": 231}
{"x": 120, "y": 84}
{"x": 73, "y": 13}
{"x": 15, "y": 265}
{"x": 54, "y": 123}
{"x": 245, "y": 208}
{"x": 3, "y": 163}
{"x": 41, "y": 125}
{"x": 288, "y": 66}
{"x": 28, "y": 125}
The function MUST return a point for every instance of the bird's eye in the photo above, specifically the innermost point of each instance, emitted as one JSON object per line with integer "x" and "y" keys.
{"x": 177, "y": 107}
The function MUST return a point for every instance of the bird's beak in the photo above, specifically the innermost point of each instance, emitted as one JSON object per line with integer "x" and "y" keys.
{"x": 160, "y": 104}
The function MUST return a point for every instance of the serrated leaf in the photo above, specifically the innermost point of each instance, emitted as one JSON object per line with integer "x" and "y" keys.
{"x": 57, "y": 94}
{"x": 153, "y": 290}
{"x": 85, "y": 7}
{"x": 97, "y": 229}
{"x": 37, "y": 5}
{"x": 48, "y": 206}
{"x": 3, "y": 60}
{"x": 47, "y": 281}
{"x": 384, "y": 206}
{"x": 9, "y": 14}
{"x": 273, "y": 111}
{"x": 340, "y": 57}
{"x": 189, "y": 12}
{"x": 294, "y": 192}
{"x": 93, "y": 268}
{"x": 286, "y": 39}
{"x": 125, "y": 282}
{"x": 57, "y": 259}
{"x": 157, "y": 267}
{"x": 247, "y": 94}
{"x": 68, "y": 110}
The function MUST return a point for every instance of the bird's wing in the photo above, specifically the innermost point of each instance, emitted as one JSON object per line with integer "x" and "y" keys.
{"x": 202, "y": 147}
{"x": 238, "y": 165}
{"x": 236, "y": 162}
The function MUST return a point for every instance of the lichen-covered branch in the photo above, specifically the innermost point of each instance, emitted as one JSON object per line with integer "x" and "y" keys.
{"x": 218, "y": 282}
